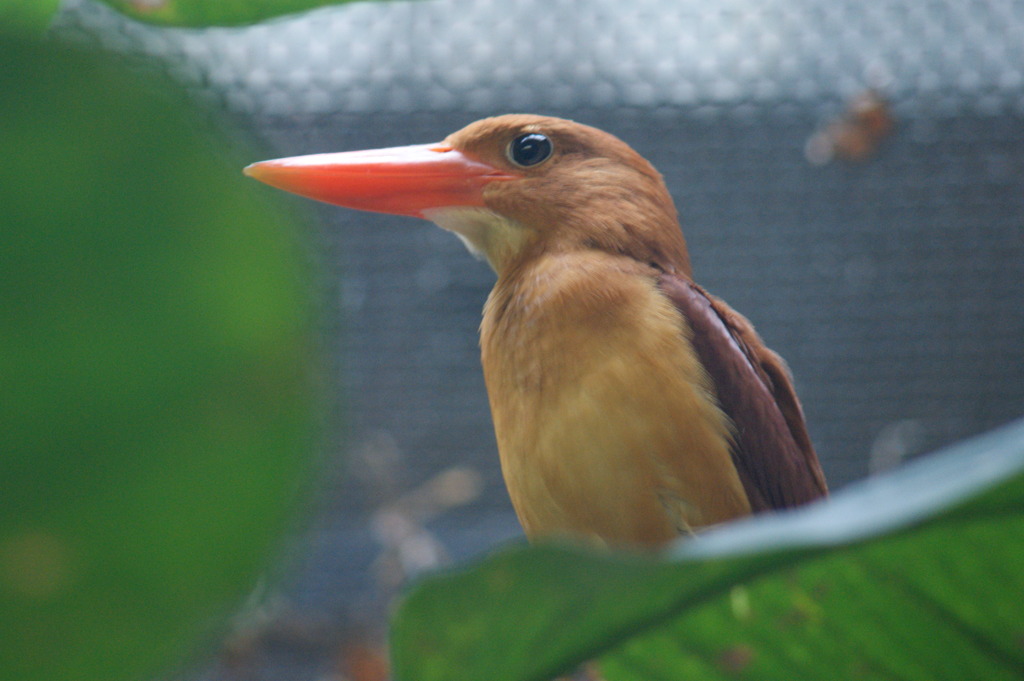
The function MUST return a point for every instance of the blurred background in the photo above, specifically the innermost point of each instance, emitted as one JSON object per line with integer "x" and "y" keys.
{"x": 849, "y": 175}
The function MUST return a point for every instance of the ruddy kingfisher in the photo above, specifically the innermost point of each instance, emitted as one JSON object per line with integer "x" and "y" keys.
{"x": 630, "y": 406}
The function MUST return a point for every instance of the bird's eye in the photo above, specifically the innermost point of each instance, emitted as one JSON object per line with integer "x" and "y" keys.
{"x": 530, "y": 149}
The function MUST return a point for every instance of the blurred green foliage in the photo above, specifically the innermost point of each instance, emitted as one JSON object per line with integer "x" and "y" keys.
{"x": 198, "y": 13}
{"x": 155, "y": 362}
{"x": 29, "y": 16}
{"x": 157, "y": 410}
{"x": 914, "y": 575}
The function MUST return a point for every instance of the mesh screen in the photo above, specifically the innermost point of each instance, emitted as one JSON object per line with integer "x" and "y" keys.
{"x": 893, "y": 285}
{"x": 493, "y": 55}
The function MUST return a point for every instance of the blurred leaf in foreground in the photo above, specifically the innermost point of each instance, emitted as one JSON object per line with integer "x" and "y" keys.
{"x": 155, "y": 363}
{"x": 27, "y": 16}
{"x": 914, "y": 575}
{"x": 199, "y": 13}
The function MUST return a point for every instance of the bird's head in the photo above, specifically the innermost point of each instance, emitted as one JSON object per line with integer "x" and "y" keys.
{"x": 511, "y": 187}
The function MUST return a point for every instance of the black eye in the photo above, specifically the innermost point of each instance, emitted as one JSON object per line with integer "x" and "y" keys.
{"x": 530, "y": 149}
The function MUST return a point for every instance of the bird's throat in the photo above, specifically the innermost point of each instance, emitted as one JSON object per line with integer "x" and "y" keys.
{"x": 485, "y": 233}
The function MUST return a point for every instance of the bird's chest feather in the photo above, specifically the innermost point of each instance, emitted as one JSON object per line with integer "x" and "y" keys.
{"x": 606, "y": 424}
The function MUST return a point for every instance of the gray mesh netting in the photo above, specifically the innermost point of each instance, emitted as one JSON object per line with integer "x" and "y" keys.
{"x": 893, "y": 285}
{"x": 489, "y": 55}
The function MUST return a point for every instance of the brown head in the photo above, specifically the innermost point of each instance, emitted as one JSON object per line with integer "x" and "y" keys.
{"x": 511, "y": 187}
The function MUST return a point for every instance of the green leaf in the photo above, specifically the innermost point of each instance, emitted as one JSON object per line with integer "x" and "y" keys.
{"x": 29, "y": 17}
{"x": 915, "y": 575}
{"x": 199, "y": 13}
{"x": 155, "y": 360}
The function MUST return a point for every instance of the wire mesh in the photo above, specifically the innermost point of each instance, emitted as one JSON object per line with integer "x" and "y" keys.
{"x": 891, "y": 279}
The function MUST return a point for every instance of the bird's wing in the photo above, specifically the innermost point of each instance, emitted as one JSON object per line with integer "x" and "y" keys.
{"x": 772, "y": 450}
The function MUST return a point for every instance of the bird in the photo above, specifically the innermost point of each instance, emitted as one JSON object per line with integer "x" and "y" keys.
{"x": 630, "y": 406}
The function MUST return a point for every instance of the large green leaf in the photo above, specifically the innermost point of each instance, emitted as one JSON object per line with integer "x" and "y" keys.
{"x": 155, "y": 368}
{"x": 915, "y": 575}
{"x": 199, "y": 13}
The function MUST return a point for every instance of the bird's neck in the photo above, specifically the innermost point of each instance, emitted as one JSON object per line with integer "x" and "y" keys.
{"x": 536, "y": 308}
{"x": 647, "y": 233}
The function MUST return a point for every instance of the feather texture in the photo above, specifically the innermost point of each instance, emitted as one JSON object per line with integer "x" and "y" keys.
{"x": 606, "y": 420}
{"x": 772, "y": 451}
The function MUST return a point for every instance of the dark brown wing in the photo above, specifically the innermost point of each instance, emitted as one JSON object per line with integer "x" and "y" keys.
{"x": 772, "y": 452}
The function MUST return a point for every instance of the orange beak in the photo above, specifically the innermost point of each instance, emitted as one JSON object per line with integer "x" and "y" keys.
{"x": 398, "y": 180}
